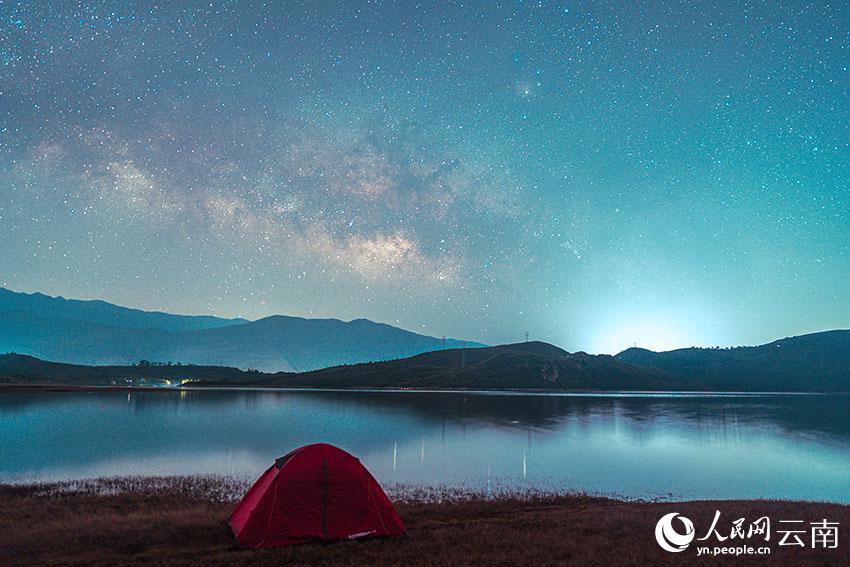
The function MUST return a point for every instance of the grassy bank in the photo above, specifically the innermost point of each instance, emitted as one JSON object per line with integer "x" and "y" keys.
{"x": 181, "y": 521}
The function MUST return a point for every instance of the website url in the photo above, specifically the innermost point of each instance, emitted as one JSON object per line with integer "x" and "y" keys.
{"x": 738, "y": 550}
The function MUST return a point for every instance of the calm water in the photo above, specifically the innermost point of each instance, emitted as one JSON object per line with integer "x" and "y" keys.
{"x": 707, "y": 446}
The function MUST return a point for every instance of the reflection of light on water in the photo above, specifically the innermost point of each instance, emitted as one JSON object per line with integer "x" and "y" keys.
{"x": 695, "y": 446}
{"x": 524, "y": 466}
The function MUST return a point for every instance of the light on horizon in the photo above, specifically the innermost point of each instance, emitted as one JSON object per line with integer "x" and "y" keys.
{"x": 653, "y": 334}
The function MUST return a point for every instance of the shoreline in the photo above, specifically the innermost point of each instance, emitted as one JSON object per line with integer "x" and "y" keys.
{"x": 182, "y": 520}
{"x": 58, "y": 388}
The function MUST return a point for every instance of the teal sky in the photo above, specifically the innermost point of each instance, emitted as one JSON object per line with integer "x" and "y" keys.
{"x": 598, "y": 174}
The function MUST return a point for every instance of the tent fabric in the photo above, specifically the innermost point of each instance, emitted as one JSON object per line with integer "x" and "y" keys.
{"x": 315, "y": 492}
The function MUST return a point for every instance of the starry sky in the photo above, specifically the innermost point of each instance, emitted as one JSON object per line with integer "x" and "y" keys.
{"x": 599, "y": 174}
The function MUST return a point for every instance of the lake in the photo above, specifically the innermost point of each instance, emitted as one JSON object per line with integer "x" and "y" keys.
{"x": 682, "y": 446}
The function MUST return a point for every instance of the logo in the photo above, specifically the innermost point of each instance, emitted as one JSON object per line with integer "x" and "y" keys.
{"x": 667, "y": 536}
{"x": 740, "y": 537}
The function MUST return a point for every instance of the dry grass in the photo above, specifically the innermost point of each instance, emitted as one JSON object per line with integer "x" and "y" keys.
{"x": 181, "y": 521}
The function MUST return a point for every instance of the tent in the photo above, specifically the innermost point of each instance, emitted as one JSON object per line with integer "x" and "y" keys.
{"x": 315, "y": 492}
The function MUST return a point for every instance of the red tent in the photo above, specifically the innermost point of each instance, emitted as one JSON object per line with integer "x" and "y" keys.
{"x": 315, "y": 492}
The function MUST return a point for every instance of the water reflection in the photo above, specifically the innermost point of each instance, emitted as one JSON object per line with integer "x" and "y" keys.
{"x": 706, "y": 446}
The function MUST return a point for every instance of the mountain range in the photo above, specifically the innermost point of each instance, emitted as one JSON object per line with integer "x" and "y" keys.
{"x": 105, "y": 340}
{"x": 817, "y": 361}
{"x": 527, "y": 366}
{"x": 99, "y": 333}
{"x": 810, "y": 363}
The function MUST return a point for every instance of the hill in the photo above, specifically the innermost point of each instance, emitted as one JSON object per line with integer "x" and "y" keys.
{"x": 99, "y": 333}
{"x": 532, "y": 365}
{"x": 22, "y": 369}
{"x": 811, "y": 363}
{"x": 814, "y": 362}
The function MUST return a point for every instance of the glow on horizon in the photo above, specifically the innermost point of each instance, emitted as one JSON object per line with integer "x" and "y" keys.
{"x": 658, "y": 332}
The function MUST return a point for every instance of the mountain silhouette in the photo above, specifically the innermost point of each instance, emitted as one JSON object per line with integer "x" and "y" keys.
{"x": 99, "y": 333}
{"x": 332, "y": 353}
{"x": 811, "y": 363}
{"x": 814, "y": 362}
{"x": 530, "y": 365}
{"x": 103, "y": 313}
{"x": 24, "y": 369}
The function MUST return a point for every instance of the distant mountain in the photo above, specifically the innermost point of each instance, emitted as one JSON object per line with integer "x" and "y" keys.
{"x": 22, "y": 369}
{"x": 98, "y": 333}
{"x": 530, "y": 365}
{"x": 812, "y": 363}
{"x": 815, "y": 362}
{"x": 102, "y": 313}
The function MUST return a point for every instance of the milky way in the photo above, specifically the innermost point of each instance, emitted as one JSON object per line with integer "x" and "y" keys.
{"x": 597, "y": 174}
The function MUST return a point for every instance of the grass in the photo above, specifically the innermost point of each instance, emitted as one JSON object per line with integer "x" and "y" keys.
{"x": 182, "y": 521}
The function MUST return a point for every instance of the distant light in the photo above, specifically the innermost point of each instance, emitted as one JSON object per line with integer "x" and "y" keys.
{"x": 663, "y": 333}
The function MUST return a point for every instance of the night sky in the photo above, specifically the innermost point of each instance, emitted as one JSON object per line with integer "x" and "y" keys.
{"x": 598, "y": 174}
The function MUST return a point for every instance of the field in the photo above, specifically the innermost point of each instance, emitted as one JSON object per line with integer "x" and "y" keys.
{"x": 181, "y": 521}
